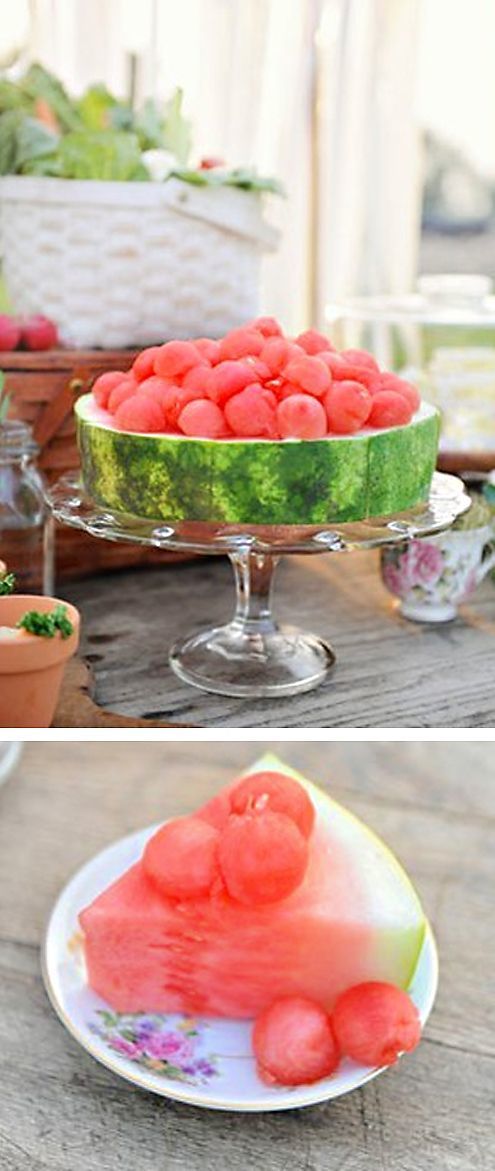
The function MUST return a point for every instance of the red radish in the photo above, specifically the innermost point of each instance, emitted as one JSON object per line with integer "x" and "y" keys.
{"x": 301, "y": 416}
{"x": 181, "y": 858}
{"x": 104, "y": 384}
{"x": 143, "y": 366}
{"x": 210, "y": 162}
{"x": 10, "y": 332}
{"x": 275, "y": 791}
{"x": 38, "y": 333}
{"x": 375, "y": 1022}
{"x": 263, "y": 857}
{"x": 293, "y": 1042}
{"x": 348, "y": 406}
{"x": 139, "y": 413}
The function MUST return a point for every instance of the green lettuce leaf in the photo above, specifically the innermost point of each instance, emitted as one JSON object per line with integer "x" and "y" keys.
{"x": 104, "y": 154}
{"x": 39, "y": 83}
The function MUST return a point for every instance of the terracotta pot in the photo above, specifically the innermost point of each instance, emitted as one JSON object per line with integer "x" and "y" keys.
{"x": 31, "y": 669}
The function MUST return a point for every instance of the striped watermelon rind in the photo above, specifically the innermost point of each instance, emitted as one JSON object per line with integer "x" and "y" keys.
{"x": 248, "y": 481}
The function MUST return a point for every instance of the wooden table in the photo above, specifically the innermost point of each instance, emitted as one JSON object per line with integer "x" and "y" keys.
{"x": 59, "y": 1110}
{"x": 389, "y": 673}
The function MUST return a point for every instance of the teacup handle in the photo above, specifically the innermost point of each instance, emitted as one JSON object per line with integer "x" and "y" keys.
{"x": 488, "y": 561}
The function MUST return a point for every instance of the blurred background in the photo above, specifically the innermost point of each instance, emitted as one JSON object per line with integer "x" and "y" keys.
{"x": 378, "y": 117}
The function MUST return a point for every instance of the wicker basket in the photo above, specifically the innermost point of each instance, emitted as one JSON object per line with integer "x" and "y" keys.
{"x": 120, "y": 264}
{"x": 43, "y": 387}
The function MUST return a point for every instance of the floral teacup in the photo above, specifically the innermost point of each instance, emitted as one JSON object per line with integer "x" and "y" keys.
{"x": 432, "y": 576}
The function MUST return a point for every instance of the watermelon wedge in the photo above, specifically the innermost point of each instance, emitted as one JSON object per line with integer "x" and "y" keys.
{"x": 354, "y": 917}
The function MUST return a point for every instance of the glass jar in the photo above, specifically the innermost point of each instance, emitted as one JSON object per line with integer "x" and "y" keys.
{"x": 26, "y": 527}
{"x": 442, "y": 338}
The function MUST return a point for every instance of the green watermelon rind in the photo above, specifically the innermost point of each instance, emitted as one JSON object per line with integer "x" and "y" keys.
{"x": 414, "y": 932}
{"x": 337, "y": 479}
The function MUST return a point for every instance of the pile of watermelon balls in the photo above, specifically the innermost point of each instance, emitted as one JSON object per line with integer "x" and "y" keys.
{"x": 255, "y": 383}
{"x": 259, "y": 855}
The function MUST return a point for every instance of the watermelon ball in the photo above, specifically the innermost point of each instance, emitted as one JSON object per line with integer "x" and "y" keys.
{"x": 154, "y": 386}
{"x": 228, "y": 378}
{"x": 313, "y": 342}
{"x": 181, "y": 859}
{"x": 197, "y": 378}
{"x": 374, "y": 1022}
{"x": 401, "y": 386}
{"x": 175, "y": 398}
{"x": 275, "y": 791}
{"x": 300, "y": 416}
{"x": 203, "y": 419}
{"x": 143, "y": 366}
{"x": 268, "y": 326}
{"x": 263, "y": 858}
{"x": 361, "y": 358}
{"x": 104, "y": 384}
{"x": 293, "y": 1042}
{"x": 389, "y": 410}
{"x": 240, "y": 342}
{"x": 276, "y": 353}
{"x": 308, "y": 374}
{"x": 342, "y": 370}
{"x": 208, "y": 348}
{"x": 259, "y": 368}
{"x": 175, "y": 358}
{"x": 125, "y": 389}
{"x": 348, "y": 405}
{"x": 139, "y": 413}
{"x": 252, "y": 413}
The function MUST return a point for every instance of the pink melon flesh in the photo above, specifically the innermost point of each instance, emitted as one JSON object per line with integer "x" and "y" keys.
{"x": 214, "y": 957}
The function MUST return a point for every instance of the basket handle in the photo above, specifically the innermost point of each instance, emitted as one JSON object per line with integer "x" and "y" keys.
{"x": 216, "y": 207}
{"x": 56, "y": 411}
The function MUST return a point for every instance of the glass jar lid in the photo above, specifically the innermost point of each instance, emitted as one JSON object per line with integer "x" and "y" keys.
{"x": 16, "y": 440}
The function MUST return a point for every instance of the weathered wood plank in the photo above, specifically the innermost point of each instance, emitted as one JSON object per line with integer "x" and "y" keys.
{"x": 433, "y": 803}
{"x": 389, "y": 673}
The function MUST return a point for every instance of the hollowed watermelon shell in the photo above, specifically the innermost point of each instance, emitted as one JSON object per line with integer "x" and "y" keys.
{"x": 250, "y": 481}
{"x": 355, "y": 917}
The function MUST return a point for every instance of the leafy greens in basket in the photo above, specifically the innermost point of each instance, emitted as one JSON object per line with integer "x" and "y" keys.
{"x": 44, "y": 131}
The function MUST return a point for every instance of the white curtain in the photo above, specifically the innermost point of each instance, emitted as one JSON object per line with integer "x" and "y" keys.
{"x": 319, "y": 92}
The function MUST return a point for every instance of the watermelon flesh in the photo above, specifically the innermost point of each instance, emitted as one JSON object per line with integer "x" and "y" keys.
{"x": 355, "y": 917}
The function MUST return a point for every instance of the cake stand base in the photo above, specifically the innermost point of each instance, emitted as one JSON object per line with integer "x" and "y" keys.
{"x": 228, "y": 661}
{"x": 252, "y": 656}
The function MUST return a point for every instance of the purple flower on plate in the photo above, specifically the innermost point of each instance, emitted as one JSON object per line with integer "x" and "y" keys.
{"x": 152, "y": 1043}
{"x": 169, "y": 1047}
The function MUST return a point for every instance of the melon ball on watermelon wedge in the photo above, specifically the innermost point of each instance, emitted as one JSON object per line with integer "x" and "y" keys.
{"x": 104, "y": 384}
{"x": 375, "y": 1022}
{"x": 352, "y": 917}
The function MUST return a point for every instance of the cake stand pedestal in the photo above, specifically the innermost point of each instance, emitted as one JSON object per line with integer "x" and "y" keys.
{"x": 252, "y": 655}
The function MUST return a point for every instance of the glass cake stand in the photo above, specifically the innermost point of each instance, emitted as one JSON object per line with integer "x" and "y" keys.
{"x": 252, "y": 655}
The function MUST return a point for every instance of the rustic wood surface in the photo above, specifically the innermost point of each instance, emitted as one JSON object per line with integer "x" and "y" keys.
{"x": 76, "y": 707}
{"x": 59, "y": 1110}
{"x": 390, "y": 672}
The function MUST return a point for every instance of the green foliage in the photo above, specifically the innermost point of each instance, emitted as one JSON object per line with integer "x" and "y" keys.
{"x": 47, "y": 625}
{"x": 99, "y": 154}
{"x": 98, "y": 136}
{"x": 4, "y": 398}
{"x": 7, "y": 583}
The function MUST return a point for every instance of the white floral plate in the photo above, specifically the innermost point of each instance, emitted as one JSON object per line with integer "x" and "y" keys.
{"x": 205, "y": 1062}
